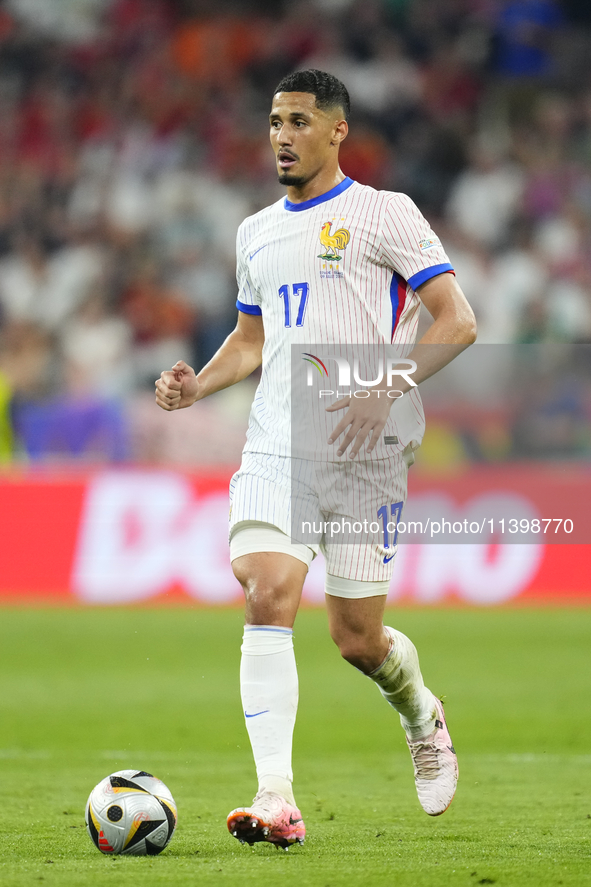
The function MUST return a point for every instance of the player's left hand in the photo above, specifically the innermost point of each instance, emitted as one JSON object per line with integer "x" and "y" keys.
{"x": 364, "y": 417}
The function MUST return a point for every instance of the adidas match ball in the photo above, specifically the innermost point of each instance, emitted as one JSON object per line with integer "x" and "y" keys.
{"x": 131, "y": 812}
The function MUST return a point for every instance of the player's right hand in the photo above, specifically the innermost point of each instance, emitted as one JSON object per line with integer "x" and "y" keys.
{"x": 177, "y": 388}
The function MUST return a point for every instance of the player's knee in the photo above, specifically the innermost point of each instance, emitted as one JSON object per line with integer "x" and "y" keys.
{"x": 259, "y": 593}
{"x": 262, "y": 588}
{"x": 272, "y": 586}
{"x": 265, "y": 574}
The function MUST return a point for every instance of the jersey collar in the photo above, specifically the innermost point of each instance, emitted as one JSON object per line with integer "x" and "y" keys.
{"x": 322, "y": 198}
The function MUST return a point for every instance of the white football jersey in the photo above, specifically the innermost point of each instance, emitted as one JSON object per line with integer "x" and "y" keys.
{"x": 341, "y": 268}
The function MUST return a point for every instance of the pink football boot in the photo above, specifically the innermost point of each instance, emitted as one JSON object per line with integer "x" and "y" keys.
{"x": 271, "y": 818}
{"x": 436, "y": 766}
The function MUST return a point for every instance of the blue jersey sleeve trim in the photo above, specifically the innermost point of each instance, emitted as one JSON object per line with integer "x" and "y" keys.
{"x": 427, "y": 273}
{"x": 322, "y": 198}
{"x": 247, "y": 309}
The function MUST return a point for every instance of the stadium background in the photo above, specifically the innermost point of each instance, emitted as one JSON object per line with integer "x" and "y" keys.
{"x": 133, "y": 140}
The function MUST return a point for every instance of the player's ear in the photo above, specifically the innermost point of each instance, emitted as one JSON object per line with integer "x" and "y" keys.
{"x": 340, "y": 131}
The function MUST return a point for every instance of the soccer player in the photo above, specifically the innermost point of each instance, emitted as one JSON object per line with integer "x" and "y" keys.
{"x": 335, "y": 262}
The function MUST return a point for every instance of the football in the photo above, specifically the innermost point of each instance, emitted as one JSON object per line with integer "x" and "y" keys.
{"x": 131, "y": 812}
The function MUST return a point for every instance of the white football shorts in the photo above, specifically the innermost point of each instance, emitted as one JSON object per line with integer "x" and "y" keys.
{"x": 348, "y": 510}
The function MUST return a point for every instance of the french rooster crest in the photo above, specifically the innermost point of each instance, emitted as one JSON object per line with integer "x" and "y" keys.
{"x": 333, "y": 243}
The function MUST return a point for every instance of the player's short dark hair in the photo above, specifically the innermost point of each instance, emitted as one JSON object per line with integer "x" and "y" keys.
{"x": 327, "y": 89}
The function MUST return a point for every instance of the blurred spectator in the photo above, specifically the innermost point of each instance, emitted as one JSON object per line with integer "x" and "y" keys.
{"x": 206, "y": 280}
{"x": 485, "y": 197}
{"x": 518, "y": 277}
{"x": 450, "y": 88}
{"x": 6, "y": 432}
{"x": 25, "y": 372}
{"x": 524, "y": 32}
{"x": 27, "y": 360}
{"x": 96, "y": 346}
{"x": 161, "y": 322}
{"x": 72, "y": 20}
{"x": 214, "y": 50}
{"x": 552, "y": 419}
{"x": 38, "y": 286}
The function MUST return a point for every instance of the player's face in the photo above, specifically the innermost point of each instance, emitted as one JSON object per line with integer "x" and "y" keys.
{"x": 305, "y": 139}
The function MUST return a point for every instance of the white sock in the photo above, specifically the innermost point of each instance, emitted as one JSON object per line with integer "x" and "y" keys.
{"x": 400, "y": 681}
{"x": 269, "y": 690}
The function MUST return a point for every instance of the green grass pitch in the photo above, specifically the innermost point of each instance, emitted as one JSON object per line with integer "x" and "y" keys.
{"x": 87, "y": 692}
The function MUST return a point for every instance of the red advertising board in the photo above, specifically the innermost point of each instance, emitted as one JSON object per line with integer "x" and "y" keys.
{"x": 138, "y": 535}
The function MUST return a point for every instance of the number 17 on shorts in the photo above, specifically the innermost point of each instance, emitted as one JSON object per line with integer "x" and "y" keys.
{"x": 389, "y": 515}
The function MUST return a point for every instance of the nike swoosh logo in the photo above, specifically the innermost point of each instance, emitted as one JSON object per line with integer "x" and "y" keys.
{"x": 252, "y": 255}
{"x": 293, "y": 821}
{"x": 388, "y": 559}
{"x": 256, "y": 713}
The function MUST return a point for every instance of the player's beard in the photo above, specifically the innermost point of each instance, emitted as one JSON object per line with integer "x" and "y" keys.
{"x": 285, "y": 178}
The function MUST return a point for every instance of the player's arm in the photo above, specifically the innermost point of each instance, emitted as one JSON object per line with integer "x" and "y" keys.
{"x": 453, "y": 329}
{"x": 238, "y": 357}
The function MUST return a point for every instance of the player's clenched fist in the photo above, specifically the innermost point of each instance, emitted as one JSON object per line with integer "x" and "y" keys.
{"x": 177, "y": 388}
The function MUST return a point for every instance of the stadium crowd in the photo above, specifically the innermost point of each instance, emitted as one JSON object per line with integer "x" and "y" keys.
{"x": 133, "y": 141}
